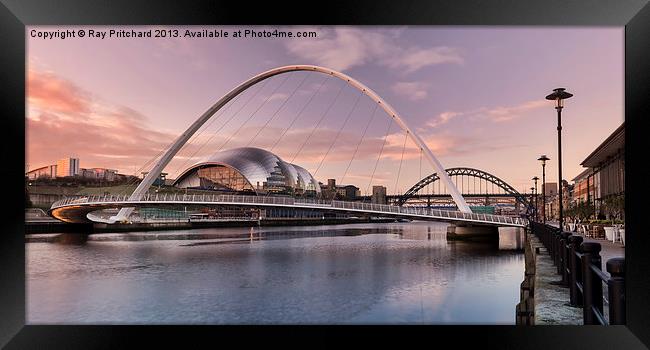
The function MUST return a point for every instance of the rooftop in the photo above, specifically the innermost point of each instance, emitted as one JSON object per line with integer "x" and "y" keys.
{"x": 582, "y": 175}
{"x": 607, "y": 149}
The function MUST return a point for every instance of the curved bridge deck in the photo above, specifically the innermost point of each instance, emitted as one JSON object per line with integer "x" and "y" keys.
{"x": 76, "y": 209}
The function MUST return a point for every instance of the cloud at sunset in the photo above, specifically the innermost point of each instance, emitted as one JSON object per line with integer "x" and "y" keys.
{"x": 497, "y": 114}
{"x": 413, "y": 90}
{"x": 56, "y": 94}
{"x": 474, "y": 95}
{"x": 343, "y": 48}
{"x": 64, "y": 119}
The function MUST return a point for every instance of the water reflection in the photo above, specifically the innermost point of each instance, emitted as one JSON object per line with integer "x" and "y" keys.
{"x": 374, "y": 273}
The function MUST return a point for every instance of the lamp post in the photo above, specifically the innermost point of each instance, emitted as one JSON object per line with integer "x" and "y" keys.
{"x": 543, "y": 158}
{"x": 532, "y": 195}
{"x": 535, "y": 179}
{"x": 559, "y": 95}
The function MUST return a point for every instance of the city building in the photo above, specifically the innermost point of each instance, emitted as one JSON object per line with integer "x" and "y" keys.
{"x": 248, "y": 170}
{"x": 581, "y": 187}
{"x": 549, "y": 189}
{"x": 567, "y": 194}
{"x": 378, "y": 195}
{"x": 552, "y": 207}
{"x": 348, "y": 192}
{"x": 67, "y": 167}
{"x": 606, "y": 169}
{"x": 339, "y": 192}
{"x": 99, "y": 174}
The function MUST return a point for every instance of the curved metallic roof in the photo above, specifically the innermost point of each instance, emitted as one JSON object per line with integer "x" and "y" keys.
{"x": 305, "y": 180}
{"x": 258, "y": 166}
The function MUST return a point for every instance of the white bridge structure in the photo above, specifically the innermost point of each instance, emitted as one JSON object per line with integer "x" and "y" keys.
{"x": 78, "y": 209}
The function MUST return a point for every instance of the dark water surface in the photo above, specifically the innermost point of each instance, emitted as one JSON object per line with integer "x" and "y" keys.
{"x": 344, "y": 274}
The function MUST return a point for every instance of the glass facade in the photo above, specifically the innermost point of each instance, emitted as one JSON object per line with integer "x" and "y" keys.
{"x": 219, "y": 177}
{"x": 249, "y": 169}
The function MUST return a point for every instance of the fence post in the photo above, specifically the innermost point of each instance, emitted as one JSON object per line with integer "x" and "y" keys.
{"x": 556, "y": 249}
{"x": 551, "y": 246}
{"x": 616, "y": 290}
{"x": 563, "y": 257}
{"x": 592, "y": 286}
{"x": 574, "y": 275}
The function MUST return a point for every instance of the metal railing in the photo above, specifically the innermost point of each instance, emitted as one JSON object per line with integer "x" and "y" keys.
{"x": 580, "y": 265}
{"x": 296, "y": 202}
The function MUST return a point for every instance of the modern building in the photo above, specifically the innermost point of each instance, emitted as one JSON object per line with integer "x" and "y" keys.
{"x": 378, "y": 195}
{"x": 606, "y": 170}
{"x": 67, "y": 167}
{"x": 248, "y": 170}
{"x": 48, "y": 171}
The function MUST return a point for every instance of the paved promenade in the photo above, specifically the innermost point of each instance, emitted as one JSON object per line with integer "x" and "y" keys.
{"x": 551, "y": 301}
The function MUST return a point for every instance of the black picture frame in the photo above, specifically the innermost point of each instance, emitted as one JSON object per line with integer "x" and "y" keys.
{"x": 16, "y": 14}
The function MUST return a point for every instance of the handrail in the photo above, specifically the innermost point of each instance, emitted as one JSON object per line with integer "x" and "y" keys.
{"x": 579, "y": 264}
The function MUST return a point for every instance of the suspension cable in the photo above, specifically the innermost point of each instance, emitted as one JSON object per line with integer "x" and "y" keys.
{"x": 224, "y": 124}
{"x": 299, "y": 113}
{"x": 420, "y": 174}
{"x": 338, "y": 94}
{"x": 339, "y": 132}
{"x": 372, "y": 117}
{"x": 255, "y": 112}
{"x": 197, "y": 135}
{"x": 381, "y": 151}
{"x": 278, "y": 110}
{"x": 400, "y": 161}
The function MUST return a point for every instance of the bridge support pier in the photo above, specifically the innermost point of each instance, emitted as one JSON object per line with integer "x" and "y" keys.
{"x": 511, "y": 238}
{"x": 472, "y": 233}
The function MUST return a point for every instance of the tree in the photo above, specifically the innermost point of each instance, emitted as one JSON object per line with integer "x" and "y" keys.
{"x": 584, "y": 210}
{"x": 614, "y": 206}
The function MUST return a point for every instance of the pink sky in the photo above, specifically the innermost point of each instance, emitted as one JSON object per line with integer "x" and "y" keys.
{"x": 475, "y": 95}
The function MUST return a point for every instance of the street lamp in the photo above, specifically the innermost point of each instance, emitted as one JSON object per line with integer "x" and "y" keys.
{"x": 543, "y": 158}
{"x": 532, "y": 195}
{"x": 559, "y": 95}
{"x": 535, "y": 179}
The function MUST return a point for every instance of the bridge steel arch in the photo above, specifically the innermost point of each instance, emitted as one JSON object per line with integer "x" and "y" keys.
{"x": 185, "y": 136}
{"x": 465, "y": 172}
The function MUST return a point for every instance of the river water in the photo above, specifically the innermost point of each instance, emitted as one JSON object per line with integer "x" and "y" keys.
{"x": 403, "y": 273}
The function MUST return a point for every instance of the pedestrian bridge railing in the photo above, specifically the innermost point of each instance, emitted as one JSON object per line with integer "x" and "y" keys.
{"x": 293, "y": 202}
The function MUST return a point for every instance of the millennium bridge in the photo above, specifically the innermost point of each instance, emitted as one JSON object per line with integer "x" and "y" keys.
{"x": 81, "y": 209}
{"x": 78, "y": 210}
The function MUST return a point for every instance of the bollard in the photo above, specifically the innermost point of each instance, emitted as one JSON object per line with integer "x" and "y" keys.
{"x": 616, "y": 288}
{"x": 592, "y": 287}
{"x": 575, "y": 270}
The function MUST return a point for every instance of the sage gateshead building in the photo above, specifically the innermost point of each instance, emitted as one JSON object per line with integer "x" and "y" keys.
{"x": 249, "y": 170}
